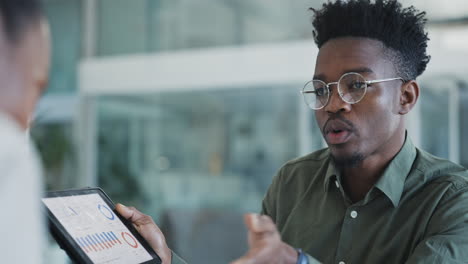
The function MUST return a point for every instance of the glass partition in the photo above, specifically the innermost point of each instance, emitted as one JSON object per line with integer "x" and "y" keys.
{"x": 435, "y": 118}
{"x": 442, "y": 114}
{"x": 150, "y": 25}
{"x": 64, "y": 17}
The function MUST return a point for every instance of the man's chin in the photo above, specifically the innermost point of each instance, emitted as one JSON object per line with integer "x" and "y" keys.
{"x": 351, "y": 160}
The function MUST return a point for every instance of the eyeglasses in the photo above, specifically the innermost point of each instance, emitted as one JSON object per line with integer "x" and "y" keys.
{"x": 352, "y": 87}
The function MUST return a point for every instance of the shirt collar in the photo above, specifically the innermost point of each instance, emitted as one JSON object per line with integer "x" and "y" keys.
{"x": 393, "y": 179}
{"x": 392, "y": 182}
{"x": 332, "y": 172}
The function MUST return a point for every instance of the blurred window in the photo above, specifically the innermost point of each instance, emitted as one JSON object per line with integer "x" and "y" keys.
{"x": 435, "y": 120}
{"x": 55, "y": 144}
{"x": 137, "y": 26}
{"x": 442, "y": 103}
{"x": 65, "y": 22}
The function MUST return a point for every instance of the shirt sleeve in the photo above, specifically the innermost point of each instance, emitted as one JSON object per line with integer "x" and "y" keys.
{"x": 312, "y": 260}
{"x": 269, "y": 204}
{"x": 176, "y": 259}
{"x": 447, "y": 232}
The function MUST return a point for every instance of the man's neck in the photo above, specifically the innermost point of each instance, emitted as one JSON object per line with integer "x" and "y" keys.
{"x": 358, "y": 180}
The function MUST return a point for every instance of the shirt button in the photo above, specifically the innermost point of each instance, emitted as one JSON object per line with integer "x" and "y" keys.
{"x": 353, "y": 215}
{"x": 337, "y": 184}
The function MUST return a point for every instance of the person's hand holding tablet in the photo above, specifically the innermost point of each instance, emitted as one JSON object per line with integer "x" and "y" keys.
{"x": 148, "y": 230}
{"x": 88, "y": 226}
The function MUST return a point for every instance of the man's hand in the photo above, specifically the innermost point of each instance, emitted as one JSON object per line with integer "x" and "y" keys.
{"x": 148, "y": 230}
{"x": 265, "y": 243}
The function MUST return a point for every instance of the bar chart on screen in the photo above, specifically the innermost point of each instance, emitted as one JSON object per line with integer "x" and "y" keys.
{"x": 97, "y": 230}
{"x": 98, "y": 241}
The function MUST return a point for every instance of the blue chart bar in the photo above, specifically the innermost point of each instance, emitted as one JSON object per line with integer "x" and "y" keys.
{"x": 87, "y": 246}
{"x": 114, "y": 237}
{"x": 98, "y": 241}
{"x": 94, "y": 243}
{"x": 82, "y": 245}
{"x": 90, "y": 243}
{"x": 108, "y": 238}
{"x": 104, "y": 239}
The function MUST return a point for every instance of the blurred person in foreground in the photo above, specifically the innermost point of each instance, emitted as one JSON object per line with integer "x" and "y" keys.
{"x": 371, "y": 196}
{"x": 24, "y": 65}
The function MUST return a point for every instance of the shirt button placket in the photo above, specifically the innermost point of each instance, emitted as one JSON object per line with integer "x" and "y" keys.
{"x": 348, "y": 227}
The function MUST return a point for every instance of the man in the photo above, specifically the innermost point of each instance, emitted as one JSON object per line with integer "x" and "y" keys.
{"x": 24, "y": 64}
{"x": 371, "y": 196}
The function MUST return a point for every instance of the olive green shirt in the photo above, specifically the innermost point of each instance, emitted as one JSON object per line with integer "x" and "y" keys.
{"x": 417, "y": 212}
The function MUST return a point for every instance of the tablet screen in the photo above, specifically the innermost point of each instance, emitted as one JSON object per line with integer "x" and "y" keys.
{"x": 96, "y": 229}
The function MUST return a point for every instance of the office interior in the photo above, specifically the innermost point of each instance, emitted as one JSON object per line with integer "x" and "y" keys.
{"x": 186, "y": 109}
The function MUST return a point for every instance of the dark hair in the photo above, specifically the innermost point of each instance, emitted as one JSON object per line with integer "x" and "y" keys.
{"x": 401, "y": 30}
{"x": 18, "y": 15}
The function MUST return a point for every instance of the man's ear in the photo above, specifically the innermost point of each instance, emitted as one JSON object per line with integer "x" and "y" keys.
{"x": 408, "y": 97}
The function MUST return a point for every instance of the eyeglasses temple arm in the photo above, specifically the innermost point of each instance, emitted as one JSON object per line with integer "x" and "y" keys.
{"x": 385, "y": 80}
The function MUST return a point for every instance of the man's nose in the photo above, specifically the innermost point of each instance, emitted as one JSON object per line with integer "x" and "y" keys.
{"x": 336, "y": 103}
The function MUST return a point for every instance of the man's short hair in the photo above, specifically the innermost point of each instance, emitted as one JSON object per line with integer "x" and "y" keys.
{"x": 401, "y": 30}
{"x": 18, "y": 15}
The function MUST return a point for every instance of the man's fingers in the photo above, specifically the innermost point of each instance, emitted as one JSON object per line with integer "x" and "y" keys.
{"x": 143, "y": 223}
{"x": 259, "y": 223}
{"x": 135, "y": 216}
{"x": 124, "y": 210}
{"x": 148, "y": 229}
{"x": 265, "y": 245}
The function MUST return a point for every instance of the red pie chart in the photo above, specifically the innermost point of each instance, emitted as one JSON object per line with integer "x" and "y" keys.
{"x": 131, "y": 241}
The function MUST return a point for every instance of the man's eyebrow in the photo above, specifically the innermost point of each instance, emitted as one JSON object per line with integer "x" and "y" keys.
{"x": 319, "y": 77}
{"x": 322, "y": 77}
{"x": 359, "y": 70}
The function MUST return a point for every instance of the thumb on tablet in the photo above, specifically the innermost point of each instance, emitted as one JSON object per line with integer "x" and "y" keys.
{"x": 123, "y": 210}
{"x": 148, "y": 230}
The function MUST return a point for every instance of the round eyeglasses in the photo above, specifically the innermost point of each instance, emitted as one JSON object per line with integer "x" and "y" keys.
{"x": 351, "y": 87}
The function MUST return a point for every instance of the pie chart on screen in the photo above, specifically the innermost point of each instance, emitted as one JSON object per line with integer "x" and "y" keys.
{"x": 106, "y": 212}
{"x": 129, "y": 239}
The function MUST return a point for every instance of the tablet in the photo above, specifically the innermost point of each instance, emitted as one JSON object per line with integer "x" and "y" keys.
{"x": 86, "y": 225}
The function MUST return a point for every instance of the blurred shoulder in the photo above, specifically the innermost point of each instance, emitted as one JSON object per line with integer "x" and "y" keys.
{"x": 14, "y": 147}
{"x": 439, "y": 171}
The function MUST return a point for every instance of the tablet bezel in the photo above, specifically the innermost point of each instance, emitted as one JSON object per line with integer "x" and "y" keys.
{"x": 66, "y": 241}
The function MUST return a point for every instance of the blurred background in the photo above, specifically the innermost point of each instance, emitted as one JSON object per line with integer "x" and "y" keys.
{"x": 186, "y": 109}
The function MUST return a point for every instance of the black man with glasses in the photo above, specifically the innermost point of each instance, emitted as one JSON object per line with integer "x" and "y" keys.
{"x": 371, "y": 196}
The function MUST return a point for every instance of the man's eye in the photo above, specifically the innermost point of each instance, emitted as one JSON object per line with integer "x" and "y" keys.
{"x": 357, "y": 85}
{"x": 320, "y": 91}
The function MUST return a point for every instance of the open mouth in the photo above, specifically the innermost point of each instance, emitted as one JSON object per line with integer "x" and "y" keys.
{"x": 337, "y": 136}
{"x": 337, "y": 132}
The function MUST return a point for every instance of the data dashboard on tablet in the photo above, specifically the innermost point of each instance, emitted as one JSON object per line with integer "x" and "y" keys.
{"x": 88, "y": 225}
